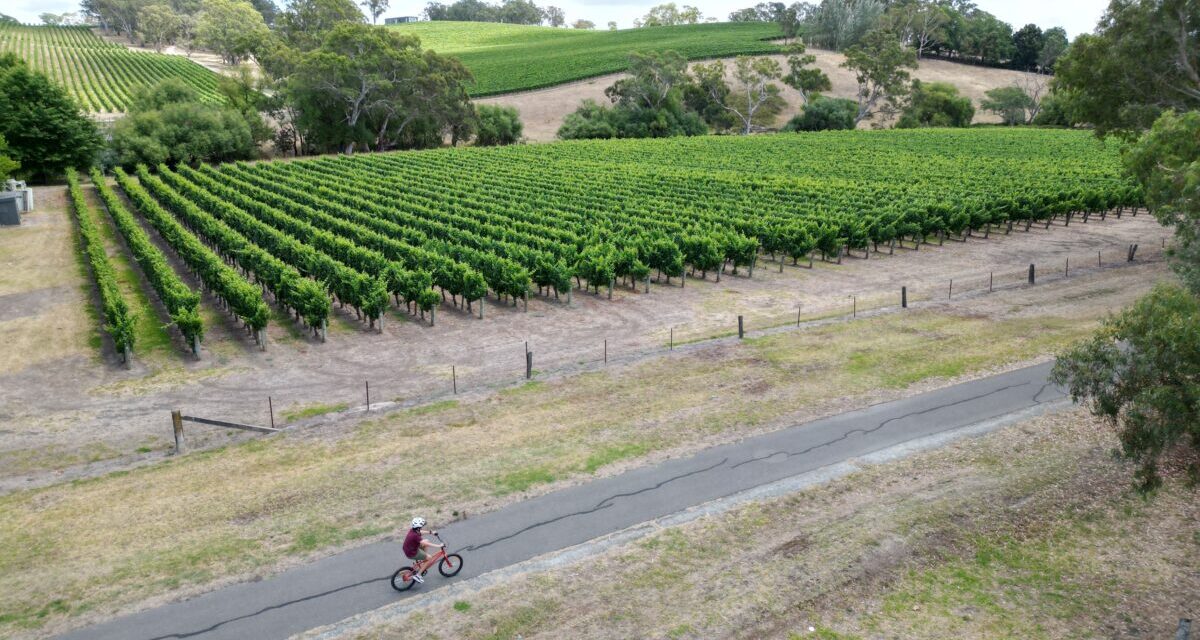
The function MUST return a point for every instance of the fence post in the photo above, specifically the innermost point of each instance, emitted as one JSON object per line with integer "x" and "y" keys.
{"x": 1132, "y": 252}
{"x": 991, "y": 280}
{"x": 903, "y": 297}
{"x": 672, "y": 343}
{"x": 368, "y": 385}
{"x": 1032, "y": 275}
{"x": 853, "y": 306}
{"x": 1099, "y": 260}
{"x": 606, "y": 351}
{"x": 177, "y": 427}
{"x": 1067, "y": 269}
{"x": 271, "y": 409}
{"x": 799, "y": 308}
{"x": 454, "y": 379}
{"x": 741, "y": 328}
{"x": 950, "y": 293}
{"x": 528, "y": 365}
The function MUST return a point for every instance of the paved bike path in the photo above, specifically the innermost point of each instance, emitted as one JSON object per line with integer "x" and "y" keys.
{"x": 356, "y": 581}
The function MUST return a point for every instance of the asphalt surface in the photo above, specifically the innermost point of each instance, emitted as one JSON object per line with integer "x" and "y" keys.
{"x": 356, "y": 581}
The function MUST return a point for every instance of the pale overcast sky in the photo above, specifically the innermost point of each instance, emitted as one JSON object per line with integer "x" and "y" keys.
{"x": 1076, "y": 16}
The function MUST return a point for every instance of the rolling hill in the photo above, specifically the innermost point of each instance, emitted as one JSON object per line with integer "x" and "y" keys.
{"x": 102, "y": 76}
{"x": 505, "y": 58}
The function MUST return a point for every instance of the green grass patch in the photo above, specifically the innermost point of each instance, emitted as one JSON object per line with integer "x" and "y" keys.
{"x": 312, "y": 410}
{"x": 150, "y": 331}
{"x": 522, "y": 479}
{"x": 614, "y": 453}
{"x": 462, "y": 606}
{"x": 506, "y": 57}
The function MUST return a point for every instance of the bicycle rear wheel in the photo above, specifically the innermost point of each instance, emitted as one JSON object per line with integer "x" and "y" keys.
{"x": 450, "y": 565}
{"x": 402, "y": 580}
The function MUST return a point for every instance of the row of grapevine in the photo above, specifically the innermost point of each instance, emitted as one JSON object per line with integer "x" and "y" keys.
{"x": 183, "y": 304}
{"x": 100, "y": 75}
{"x": 294, "y": 291}
{"x": 473, "y": 222}
{"x": 307, "y": 249}
{"x": 118, "y": 320}
{"x": 238, "y": 294}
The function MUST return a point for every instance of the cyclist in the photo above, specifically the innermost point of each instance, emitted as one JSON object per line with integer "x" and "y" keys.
{"x": 415, "y": 545}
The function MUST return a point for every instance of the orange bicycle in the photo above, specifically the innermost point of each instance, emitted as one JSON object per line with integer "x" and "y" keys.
{"x": 449, "y": 564}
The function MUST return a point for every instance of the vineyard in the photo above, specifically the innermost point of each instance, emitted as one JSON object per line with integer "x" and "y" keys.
{"x": 505, "y": 57}
{"x": 101, "y": 76}
{"x": 421, "y": 228}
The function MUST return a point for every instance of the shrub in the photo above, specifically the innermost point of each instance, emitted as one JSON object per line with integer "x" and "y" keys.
{"x": 497, "y": 126}
{"x": 825, "y": 114}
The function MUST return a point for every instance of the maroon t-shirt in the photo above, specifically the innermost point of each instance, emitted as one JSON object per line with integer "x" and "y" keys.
{"x": 412, "y": 543}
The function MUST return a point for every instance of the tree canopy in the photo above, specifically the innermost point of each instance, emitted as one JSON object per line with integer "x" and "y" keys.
{"x": 879, "y": 65}
{"x": 1140, "y": 371}
{"x": 936, "y": 104}
{"x": 376, "y": 88}
{"x": 1144, "y": 59}
{"x": 167, "y": 123}
{"x": 497, "y": 125}
{"x": 45, "y": 129}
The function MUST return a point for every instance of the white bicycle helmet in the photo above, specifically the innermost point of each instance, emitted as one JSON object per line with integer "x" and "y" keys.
{"x": 418, "y": 523}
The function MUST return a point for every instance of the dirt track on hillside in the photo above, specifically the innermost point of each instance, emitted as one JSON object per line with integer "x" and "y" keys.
{"x": 543, "y": 111}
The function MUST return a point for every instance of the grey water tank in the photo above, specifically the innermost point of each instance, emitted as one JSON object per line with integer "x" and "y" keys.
{"x": 11, "y": 204}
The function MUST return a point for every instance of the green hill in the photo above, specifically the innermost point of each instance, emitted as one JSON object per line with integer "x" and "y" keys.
{"x": 102, "y": 76}
{"x": 506, "y": 58}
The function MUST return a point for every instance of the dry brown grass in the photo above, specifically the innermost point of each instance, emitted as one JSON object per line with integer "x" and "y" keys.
{"x": 42, "y": 288}
{"x": 1030, "y": 532}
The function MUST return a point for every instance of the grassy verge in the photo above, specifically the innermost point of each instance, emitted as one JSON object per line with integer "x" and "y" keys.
{"x": 165, "y": 528}
{"x": 312, "y": 410}
{"x": 151, "y": 337}
{"x": 1029, "y": 532}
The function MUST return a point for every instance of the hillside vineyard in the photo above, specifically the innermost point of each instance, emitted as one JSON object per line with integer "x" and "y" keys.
{"x": 419, "y": 226}
{"x": 102, "y": 76}
{"x": 509, "y": 57}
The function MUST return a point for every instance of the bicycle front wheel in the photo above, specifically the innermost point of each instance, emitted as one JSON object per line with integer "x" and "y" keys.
{"x": 403, "y": 580}
{"x": 450, "y": 565}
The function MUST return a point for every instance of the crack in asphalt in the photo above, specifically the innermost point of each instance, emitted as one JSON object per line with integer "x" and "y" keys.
{"x": 603, "y": 504}
{"x": 865, "y": 431}
{"x": 215, "y": 626}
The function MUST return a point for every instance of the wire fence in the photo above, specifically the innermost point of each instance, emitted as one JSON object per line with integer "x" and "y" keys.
{"x": 508, "y": 363}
